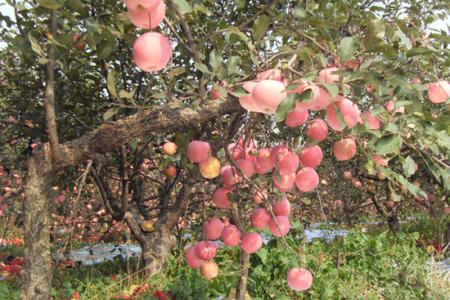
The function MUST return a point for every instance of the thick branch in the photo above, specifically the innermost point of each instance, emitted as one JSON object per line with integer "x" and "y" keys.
{"x": 49, "y": 100}
{"x": 377, "y": 205}
{"x": 168, "y": 118}
{"x": 106, "y": 195}
{"x": 132, "y": 219}
{"x": 125, "y": 182}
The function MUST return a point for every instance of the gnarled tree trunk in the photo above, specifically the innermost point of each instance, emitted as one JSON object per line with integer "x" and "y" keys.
{"x": 38, "y": 262}
{"x": 155, "y": 251}
{"x": 106, "y": 138}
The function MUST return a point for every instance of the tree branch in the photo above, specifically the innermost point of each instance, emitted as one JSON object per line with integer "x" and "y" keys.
{"x": 192, "y": 45}
{"x": 132, "y": 219}
{"x": 125, "y": 182}
{"x": 167, "y": 118}
{"x": 49, "y": 100}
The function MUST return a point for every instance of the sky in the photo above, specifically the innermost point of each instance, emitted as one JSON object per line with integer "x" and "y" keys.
{"x": 6, "y": 9}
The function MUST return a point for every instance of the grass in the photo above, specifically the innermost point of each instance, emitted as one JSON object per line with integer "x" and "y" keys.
{"x": 374, "y": 265}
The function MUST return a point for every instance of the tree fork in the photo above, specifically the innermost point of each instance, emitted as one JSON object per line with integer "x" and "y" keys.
{"x": 106, "y": 138}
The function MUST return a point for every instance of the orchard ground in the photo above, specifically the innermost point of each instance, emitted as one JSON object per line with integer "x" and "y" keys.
{"x": 367, "y": 264}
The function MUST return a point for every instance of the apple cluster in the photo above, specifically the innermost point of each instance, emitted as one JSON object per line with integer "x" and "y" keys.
{"x": 152, "y": 50}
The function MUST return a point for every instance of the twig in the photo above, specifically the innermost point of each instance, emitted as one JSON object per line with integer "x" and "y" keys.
{"x": 179, "y": 38}
{"x": 316, "y": 43}
{"x": 83, "y": 179}
{"x": 193, "y": 45}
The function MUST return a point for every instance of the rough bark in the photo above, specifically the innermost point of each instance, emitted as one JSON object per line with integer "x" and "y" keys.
{"x": 245, "y": 257}
{"x": 155, "y": 245}
{"x": 167, "y": 118}
{"x": 38, "y": 273}
{"x": 155, "y": 251}
{"x": 348, "y": 211}
{"x": 242, "y": 286}
{"x": 38, "y": 263}
{"x": 391, "y": 217}
{"x": 49, "y": 100}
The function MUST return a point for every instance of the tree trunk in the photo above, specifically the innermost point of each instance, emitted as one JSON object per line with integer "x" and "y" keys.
{"x": 106, "y": 138}
{"x": 38, "y": 262}
{"x": 348, "y": 211}
{"x": 393, "y": 221}
{"x": 155, "y": 251}
{"x": 242, "y": 287}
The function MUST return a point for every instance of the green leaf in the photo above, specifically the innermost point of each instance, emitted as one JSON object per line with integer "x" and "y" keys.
{"x": 50, "y": 4}
{"x": 201, "y": 9}
{"x": 76, "y": 5}
{"x": 416, "y": 191}
{"x": 241, "y": 3}
{"x": 394, "y": 196}
{"x": 233, "y": 65}
{"x": 305, "y": 96}
{"x": 236, "y": 31}
{"x": 305, "y": 54}
{"x": 374, "y": 35}
{"x": 262, "y": 254}
{"x": 111, "y": 83}
{"x": 260, "y": 26}
{"x": 110, "y": 113}
{"x": 43, "y": 60}
{"x": 183, "y": 5}
{"x": 347, "y": 48}
{"x": 418, "y": 51}
{"x": 388, "y": 144}
{"x": 125, "y": 94}
{"x": 299, "y": 12}
{"x": 176, "y": 72}
{"x": 133, "y": 144}
{"x": 332, "y": 88}
{"x": 239, "y": 92}
{"x": 202, "y": 68}
{"x": 215, "y": 60}
{"x": 391, "y": 127}
{"x": 92, "y": 25}
{"x": 106, "y": 50}
{"x": 35, "y": 44}
{"x": 286, "y": 106}
{"x": 182, "y": 139}
{"x": 409, "y": 166}
{"x": 91, "y": 41}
